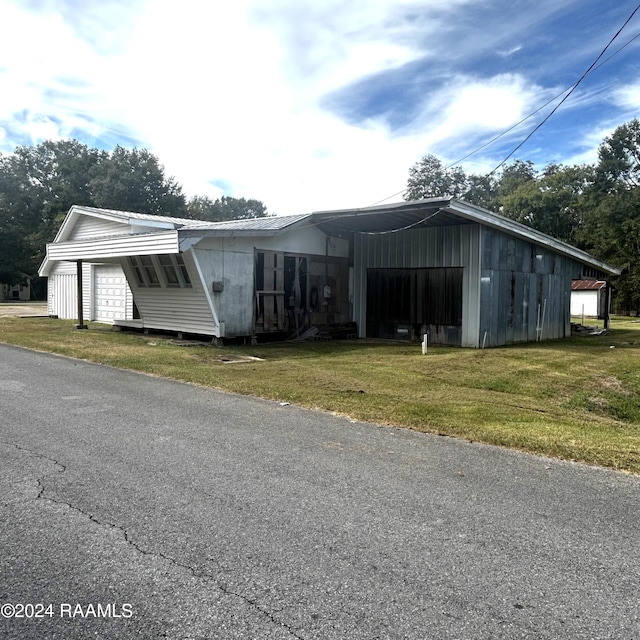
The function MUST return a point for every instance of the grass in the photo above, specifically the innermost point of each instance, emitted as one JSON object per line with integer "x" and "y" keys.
{"x": 576, "y": 399}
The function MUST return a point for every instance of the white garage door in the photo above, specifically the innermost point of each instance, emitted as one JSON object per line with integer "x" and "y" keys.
{"x": 111, "y": 294}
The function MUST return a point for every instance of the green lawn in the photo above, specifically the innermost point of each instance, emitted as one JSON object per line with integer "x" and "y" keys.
{"x": 576, "y": 399}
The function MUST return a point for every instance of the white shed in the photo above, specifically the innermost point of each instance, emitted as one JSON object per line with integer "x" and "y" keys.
{"x": 588, "y": 298}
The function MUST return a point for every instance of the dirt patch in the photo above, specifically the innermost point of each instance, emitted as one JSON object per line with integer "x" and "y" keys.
{"x": 24, "y": 310}
{"x": 613, "y": 384}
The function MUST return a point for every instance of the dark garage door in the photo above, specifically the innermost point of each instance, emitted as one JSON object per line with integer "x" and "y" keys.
{"x": 405, "y": 303}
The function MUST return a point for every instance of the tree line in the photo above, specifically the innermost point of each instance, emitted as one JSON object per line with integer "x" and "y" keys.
{"x": 595, "y": 207}
{"x": 39, "y": 184}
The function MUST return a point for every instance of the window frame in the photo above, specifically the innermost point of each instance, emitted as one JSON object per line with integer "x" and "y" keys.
{"x": 158, "y": 271}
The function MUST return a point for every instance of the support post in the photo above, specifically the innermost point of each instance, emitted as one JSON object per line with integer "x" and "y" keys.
{"x": 607, "y": 304}
{"x": 81, "y": 324}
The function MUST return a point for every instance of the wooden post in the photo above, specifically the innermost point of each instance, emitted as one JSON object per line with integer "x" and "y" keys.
{"x": 607, "y": 304}
{"x": 81, "y": 324}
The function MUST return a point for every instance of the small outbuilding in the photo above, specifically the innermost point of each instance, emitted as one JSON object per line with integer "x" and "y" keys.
{"x": 460, "y": 274}
{"x": 16, "y": 292}
{"x": 589, "y": 299}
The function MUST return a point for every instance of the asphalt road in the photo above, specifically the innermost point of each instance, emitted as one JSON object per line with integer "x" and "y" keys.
{"x": 138, "y": 507}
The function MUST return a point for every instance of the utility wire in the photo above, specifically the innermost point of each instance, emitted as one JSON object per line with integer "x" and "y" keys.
{"x": 570, "y": 89}
{"x": 573, "y": 88}
{"x": 547, "y": 103}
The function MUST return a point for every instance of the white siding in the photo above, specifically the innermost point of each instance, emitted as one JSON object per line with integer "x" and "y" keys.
{"x": 61, "y": 295}
{"x": 175, "y": 309}
{"x": 584, "y": 302}
{"x": 62, "y": 291}
{"x": 97, "y": 249}
{"x": 90, "y": 227}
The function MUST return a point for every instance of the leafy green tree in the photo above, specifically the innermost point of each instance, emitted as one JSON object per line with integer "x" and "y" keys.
{"x": 618, "y": 167}
{"x": 552, "y": 202}
{"x": 13, "y": 266}
{"x": 225, "y": 208}
{"x": 37, "y": 187}
{"x": 482, "y": 191}
{"x": 134, "y": 180}
{"x": 430, "y": 178}
{"x": 513, "y": 176}
{"x": 612, "y": 228}
{"x": 39, "y": 184}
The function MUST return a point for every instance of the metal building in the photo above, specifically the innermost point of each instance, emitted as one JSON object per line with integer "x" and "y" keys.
{"x": 460, "y": 274}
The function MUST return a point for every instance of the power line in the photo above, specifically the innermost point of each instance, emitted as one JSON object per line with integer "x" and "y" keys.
{"x": 573, "y": 88}
{"x": 540, "y": 108}
{"x": 594, "y": 66}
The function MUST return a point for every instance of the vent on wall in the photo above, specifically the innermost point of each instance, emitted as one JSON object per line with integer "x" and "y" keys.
{"x": 218, "y": 286}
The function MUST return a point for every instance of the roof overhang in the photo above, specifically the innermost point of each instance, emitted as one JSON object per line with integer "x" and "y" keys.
{"x": 109, "y": 247}
{"x": 437, "y": 212}
{"x": 387, "y": 218}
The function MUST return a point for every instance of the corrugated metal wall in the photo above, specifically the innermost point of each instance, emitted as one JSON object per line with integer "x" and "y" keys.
{"x": 454, "y": 246}
{"x": 526, "y": 291}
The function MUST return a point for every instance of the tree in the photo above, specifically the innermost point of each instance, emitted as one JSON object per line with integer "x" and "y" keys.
{"x": 618, "y": 167}
{"x": 612, "y": 228}
{"x": 39, "y": 184}
{"x": 552, "y": 202}
{"x": 429, "y": 178}
{"x": 513, "y": 176}
{"x": 225, "y": 208}
{"x": 134, "y": 180}
{"x": 37, "y": 187}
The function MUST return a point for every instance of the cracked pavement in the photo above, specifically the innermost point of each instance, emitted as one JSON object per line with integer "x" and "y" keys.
{"x": 218, "y": 516}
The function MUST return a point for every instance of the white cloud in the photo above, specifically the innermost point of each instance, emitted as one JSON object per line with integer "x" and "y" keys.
{"x": 628, "y": 97}
{"x": 233, "y": 92}
{"x": 492, "y": 104}
{"x": 223, "y": 107}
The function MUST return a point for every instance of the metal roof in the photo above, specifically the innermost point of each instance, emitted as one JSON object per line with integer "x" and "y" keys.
{"x": 382, "y": 219}
{"x": 388, "y": 218}
{"x": 126, "y": 216}
{"x": 587, "y": 285}
{"x": 443, "y": 212}
{"x": 249, "y": 226}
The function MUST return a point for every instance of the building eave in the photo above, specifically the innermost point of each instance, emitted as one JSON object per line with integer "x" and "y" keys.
{"x": 109, "y": 247}
{"x": 512, "y": 227}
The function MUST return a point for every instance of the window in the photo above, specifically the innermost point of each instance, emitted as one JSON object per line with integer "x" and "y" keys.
{"x": 137, "y": 270}
{"x": 149, "y": 271}
{"x": 167, "y": 270}
{"x": 182, "y": 269}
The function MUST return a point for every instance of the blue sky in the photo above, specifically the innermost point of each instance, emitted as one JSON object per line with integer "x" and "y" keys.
{"x": 317, "y": 104}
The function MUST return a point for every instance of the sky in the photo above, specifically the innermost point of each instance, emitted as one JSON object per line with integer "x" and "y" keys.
{"x": 312, "y": 105}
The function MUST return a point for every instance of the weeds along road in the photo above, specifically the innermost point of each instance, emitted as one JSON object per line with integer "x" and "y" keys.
{"x": 136, "y": 507}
